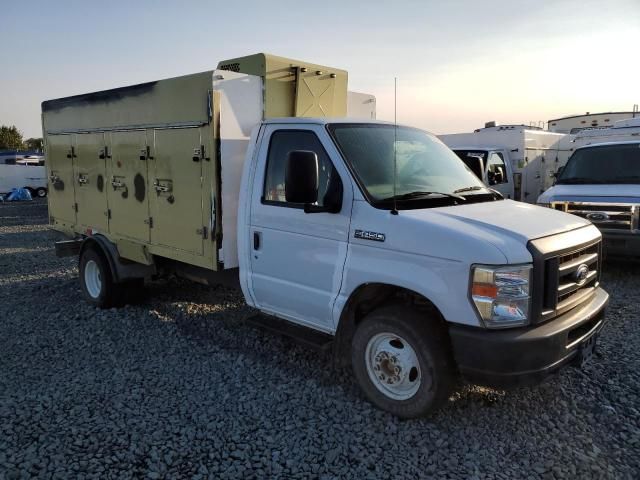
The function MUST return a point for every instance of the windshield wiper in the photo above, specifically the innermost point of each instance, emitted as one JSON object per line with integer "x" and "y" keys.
{"x": 582, "y": 180}
{"x": 469, "y": 189}
{"x": 626, "y": 179}
{"x": 417, "y": 195}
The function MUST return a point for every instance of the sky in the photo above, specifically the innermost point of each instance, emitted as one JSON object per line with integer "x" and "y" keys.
{"x": 459, "y": 63}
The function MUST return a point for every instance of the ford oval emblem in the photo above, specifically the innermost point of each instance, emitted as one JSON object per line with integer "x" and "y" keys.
{"x": 598, "y": 216}
{"x": 581, "y": 274}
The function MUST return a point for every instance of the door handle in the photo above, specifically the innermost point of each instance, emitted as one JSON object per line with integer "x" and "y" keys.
{"x": 256, "y": 240}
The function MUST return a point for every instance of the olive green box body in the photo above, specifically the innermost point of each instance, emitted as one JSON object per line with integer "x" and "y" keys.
{"x": 141, "y": 164}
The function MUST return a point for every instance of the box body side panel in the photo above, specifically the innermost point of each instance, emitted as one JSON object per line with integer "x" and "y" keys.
{"x": 138, "y": 164}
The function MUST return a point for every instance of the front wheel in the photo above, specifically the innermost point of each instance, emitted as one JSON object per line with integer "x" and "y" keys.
{"x": 402, "y": 361}
{"x": 41, "y": 192}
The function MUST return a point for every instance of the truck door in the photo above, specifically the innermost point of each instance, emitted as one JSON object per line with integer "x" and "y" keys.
{"x": 499, "y": 175}
{"x": 127, "y": 185}
{"x": 297, "y": 258}
{"x": 60, "y": 152}
{"x": 90, "y": 178}
{"x": 175, "y": 196}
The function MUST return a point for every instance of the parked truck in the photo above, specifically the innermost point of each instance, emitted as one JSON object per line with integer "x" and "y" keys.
{"x": 368, "y": 238}
{"x": 601, "y": 182}
{"x": 519, "y": 161}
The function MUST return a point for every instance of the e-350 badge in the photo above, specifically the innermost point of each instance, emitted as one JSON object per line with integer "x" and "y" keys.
{"x": 365, "y": 235}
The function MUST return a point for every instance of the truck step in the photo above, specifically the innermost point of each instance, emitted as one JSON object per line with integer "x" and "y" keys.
{"x": 304, "y": 336}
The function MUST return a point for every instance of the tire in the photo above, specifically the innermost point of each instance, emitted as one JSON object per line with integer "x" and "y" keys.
{"x": 394, "y": 337}
{"x": 41, "y": 192}
{"x": 96, "y": 280}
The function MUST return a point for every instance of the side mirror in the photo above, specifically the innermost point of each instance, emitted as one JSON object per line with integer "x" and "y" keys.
{"x": 301, "y": 177}
{"x": 557, "y": 174}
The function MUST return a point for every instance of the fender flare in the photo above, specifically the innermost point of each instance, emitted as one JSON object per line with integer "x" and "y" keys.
{"x": 121, "y": 269}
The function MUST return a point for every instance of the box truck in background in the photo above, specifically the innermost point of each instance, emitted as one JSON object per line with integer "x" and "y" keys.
{"x": 519, "y": 161}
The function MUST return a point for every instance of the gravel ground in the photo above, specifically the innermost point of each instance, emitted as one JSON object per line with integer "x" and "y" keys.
{"x": 180, "y": 387}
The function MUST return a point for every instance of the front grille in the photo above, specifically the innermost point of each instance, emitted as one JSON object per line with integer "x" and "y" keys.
{"x": 566, "y": 271}
{"x": 569, "y": 267}
{"x": 570, "y": 278}
{"x": 605, "y": 216}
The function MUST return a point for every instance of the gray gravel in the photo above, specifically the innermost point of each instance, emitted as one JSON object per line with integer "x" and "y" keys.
{"x": 179, "y": 387}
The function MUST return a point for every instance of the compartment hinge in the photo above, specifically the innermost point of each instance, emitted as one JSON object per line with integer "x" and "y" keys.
{"x": 149, "y": 222}
{"x": 203, "y": 231}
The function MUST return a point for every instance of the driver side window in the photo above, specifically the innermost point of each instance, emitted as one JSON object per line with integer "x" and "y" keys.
{"x": 496, "y": 169}
{"x": 281, "y": 143}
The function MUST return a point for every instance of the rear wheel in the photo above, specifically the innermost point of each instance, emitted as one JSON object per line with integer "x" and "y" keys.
{"x": 402, "y": 361}
{"x": 41, "y": 192}
{"x": 97, "y": 282}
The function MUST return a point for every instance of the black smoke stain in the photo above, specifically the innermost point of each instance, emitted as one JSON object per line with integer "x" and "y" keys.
{"x": 139, "y": 187}
{"x": 58, "y": 185}
{"x": 104, "y": 96}
{"x": 100, "y": 183}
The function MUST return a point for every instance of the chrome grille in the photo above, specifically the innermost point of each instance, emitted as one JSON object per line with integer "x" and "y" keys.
{"x": 557, "y": 259}
{"x": 577, "y": 276}
{"x": 605, "y": 216}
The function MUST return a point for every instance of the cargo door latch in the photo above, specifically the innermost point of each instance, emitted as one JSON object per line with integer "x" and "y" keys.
{"x": 203, "y": 231}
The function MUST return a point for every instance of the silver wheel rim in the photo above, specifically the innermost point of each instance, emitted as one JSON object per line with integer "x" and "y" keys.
{"x": 41, "y": 193}
{"x": 92, "y": 278}
{"x": 393, "y": 366}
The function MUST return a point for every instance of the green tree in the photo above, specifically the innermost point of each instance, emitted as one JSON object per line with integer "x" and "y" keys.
{"x": 33, "y": 144}
{"x": 10, "y": 137}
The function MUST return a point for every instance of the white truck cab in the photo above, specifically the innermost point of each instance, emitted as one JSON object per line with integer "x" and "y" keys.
{"x": 490, "y": 164}
{"x": 528, "y": 156}
{"x": 368, "y": 238}
{"x": 601, "y": 182}
{"x": 433, "y": 275}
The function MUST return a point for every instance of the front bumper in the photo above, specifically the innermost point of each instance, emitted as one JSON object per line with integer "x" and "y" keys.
{"x": 525, "y": 356}
{"x": 621, "y": 244}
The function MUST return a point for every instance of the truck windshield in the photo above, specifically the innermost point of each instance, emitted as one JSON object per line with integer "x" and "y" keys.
{"x": 603, "y": 164}
{"x": 426, "y": 169}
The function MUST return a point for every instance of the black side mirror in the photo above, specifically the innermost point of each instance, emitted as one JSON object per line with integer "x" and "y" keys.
{"x": 301, "y": 177}
{"x": 557, "y": 174}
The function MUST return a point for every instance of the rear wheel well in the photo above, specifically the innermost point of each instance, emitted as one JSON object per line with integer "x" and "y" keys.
{"x": 92, "y": 243}
{"x": 369, "y": 297}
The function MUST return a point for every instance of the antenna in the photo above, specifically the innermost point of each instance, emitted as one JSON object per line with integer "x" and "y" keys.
{"x": 395, "y": 140}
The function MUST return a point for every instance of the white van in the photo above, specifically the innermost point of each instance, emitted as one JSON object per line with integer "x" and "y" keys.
{"x": 601, "y": 182}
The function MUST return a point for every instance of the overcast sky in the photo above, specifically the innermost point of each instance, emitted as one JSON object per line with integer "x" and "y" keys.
{"x": 459, "y": 63}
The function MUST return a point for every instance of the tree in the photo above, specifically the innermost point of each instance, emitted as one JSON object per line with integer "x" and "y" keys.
{"x": 33, "y": 144}
{"x": 10, "y": 138}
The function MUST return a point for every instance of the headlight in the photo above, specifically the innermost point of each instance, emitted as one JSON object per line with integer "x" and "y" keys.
{"x": 501, "y": 294}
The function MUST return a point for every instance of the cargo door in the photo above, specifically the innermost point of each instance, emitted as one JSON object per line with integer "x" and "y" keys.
{"x": 176, "y": 190}
{"x": 91, "y": 182}
{"x": 60, "y": 154}
{"x": 127, "y": 185}
{"x": 315, "y": 91}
